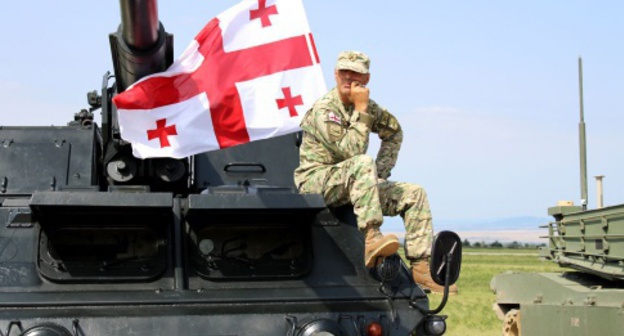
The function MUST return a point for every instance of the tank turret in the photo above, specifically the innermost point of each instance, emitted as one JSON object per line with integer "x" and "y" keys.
{"x": 139, "y": 47}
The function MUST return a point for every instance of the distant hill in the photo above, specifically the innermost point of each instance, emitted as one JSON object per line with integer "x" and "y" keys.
{"x": 507, "y": 223}
{"x": 522, "y": 228}
{"x": 395, "y": 224}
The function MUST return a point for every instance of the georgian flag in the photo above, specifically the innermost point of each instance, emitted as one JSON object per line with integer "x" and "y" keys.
{"x": 250, "y": 74}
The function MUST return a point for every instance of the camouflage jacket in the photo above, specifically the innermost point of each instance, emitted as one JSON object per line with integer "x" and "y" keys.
{"x": 333, "y": 133}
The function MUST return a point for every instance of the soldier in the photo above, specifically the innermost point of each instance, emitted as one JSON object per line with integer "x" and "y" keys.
{"x": 333, "y": 162}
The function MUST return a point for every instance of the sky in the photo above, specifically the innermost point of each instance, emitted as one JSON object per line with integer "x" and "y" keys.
{"x": 486, "y": 91}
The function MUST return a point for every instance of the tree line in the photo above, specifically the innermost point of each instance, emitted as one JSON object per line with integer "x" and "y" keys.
{"x": 496, "y": 244}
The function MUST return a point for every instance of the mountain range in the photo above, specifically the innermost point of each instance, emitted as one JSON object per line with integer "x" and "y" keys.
{"x": 507, "y": 223}
{"x": 524, "y": 229}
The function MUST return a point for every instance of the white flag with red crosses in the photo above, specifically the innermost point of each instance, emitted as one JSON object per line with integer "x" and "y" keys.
{"x": 250, "y": 74}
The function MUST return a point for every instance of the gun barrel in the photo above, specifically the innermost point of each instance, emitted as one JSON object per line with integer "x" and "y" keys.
{"x": 140, "y": 46}
{"x": 139, "y": 23}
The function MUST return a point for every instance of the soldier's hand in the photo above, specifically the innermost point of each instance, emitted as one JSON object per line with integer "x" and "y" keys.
{"x": 359, "y": 96}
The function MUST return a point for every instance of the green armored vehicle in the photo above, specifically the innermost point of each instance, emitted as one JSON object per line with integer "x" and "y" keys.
{"x": 587, "y": 300}
{"x": 96, "y": 242}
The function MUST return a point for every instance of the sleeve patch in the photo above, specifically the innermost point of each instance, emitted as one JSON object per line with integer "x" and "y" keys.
{"x": 334, "y": 118}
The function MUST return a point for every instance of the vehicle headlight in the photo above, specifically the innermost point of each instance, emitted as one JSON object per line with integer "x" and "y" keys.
{"x": 46, "y": 329}
{"x": 321, "y": 327}
{"x": 435, "y": 325}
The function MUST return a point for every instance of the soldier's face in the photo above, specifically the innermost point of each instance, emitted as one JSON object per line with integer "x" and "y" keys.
{"x": 344, "y": 79}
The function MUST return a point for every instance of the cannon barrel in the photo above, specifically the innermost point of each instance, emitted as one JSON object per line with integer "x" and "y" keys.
{"x": 140, "y": 46}
{"x": 139, "y": 23}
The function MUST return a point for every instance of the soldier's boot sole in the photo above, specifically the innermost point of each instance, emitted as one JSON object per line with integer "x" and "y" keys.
{"x": 386, "y": 248}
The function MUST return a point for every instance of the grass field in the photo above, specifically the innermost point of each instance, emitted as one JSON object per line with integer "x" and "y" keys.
{"x": 470, "y": 313}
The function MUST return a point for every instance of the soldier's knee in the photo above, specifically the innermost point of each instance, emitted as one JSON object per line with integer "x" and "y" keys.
{"x": 414, "y": 197}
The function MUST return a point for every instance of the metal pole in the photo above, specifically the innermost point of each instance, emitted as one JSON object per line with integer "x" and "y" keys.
{"x": 582, "y": 142}
{"x": 179, "y": 282}
{"x": 599, "y": 199}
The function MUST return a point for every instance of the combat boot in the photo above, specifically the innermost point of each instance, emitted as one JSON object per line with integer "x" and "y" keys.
{"x": 377, "y": 245}
{"x": 422, "y": 276}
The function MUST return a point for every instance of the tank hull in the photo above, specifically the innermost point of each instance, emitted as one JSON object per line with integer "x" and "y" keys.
{"x": 571, "y": 303}
{"x": 131, "y": 260}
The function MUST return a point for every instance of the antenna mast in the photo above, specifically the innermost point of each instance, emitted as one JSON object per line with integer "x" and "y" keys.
{"x": 582, "y": 142}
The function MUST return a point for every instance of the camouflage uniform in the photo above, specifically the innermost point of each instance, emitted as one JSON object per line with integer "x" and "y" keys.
{"x": 333, "y": 162}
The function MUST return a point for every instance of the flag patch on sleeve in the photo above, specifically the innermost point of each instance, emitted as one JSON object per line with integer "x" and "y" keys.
{"x": 333, "y": 117}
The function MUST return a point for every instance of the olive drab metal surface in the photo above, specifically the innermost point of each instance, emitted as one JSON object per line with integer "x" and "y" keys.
{"x": 96, "y": 242}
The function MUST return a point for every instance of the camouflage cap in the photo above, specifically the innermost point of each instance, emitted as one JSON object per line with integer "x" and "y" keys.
{"x": 353, "y": 60}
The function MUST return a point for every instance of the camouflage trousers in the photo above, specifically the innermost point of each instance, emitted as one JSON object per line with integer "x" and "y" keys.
{"x": 355, "y": 181}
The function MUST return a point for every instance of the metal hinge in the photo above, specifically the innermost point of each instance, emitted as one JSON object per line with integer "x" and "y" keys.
{"x": 20, "y": 218}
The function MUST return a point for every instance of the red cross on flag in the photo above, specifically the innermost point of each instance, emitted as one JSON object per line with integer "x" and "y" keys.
{"x": 250, "y": 74}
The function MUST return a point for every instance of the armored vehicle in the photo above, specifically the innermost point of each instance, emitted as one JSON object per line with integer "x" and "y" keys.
{"x": 96, "y": 242}
{"x": 587, "y": 299}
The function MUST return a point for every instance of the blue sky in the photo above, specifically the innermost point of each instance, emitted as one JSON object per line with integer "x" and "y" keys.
{"x": 486, "y": 91}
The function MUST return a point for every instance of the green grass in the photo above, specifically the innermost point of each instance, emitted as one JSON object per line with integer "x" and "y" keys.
{"x": 470, "y": 312}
